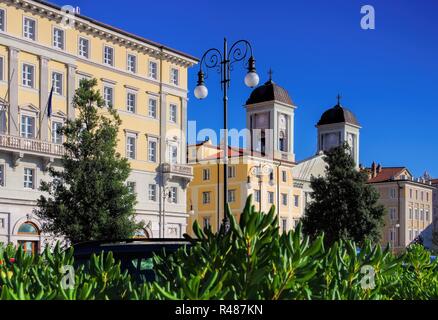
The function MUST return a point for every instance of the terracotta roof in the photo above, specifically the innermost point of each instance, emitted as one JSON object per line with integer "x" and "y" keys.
{"x": 338, "y": 114}
{"x": 386, "y": 174}
{"x": 434, "y": 181}
{"x": 270, "y": 91}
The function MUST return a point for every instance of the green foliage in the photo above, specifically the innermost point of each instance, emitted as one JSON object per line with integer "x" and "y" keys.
{"x": 343, "y": 206}
{"x": 88, "y": 198}
{"x": 252, "y": 261}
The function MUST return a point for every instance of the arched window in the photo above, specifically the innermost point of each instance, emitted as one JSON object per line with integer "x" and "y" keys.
{"x": 141, "y": 234}
{"x": 28, "y": 228}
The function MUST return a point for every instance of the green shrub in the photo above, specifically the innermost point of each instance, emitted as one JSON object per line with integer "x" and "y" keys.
{"x": 252, "y": 261}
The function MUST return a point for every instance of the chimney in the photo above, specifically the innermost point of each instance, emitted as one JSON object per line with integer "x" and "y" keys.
{"x": 373, "y": 170}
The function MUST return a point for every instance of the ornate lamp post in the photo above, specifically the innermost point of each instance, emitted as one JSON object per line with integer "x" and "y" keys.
{"x": 223, "y": 62}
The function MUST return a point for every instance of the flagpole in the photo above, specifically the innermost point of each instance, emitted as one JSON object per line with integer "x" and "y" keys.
{"x": 49, "y": 102}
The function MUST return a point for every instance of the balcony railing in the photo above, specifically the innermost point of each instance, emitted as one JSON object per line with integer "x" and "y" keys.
{"x": 178, "y": 169}
{"x": 31, "y": 145}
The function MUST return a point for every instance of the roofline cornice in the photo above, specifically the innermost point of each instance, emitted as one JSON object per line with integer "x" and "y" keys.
{"x": 107, "y": 32}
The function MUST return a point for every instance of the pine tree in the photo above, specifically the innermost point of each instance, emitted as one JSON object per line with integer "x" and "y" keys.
{"x": 89, "y": 199}
{"x": 343, "y": 205}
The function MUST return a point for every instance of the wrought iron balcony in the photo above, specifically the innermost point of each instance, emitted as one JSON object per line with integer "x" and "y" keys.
{"x": 31, "y": 146}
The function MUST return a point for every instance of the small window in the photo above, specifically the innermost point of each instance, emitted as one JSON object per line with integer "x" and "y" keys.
{"x": 153, "y": 70}
{"x": 206, "y": 174}
{"x": 416, "y": 214}
{"x": 29, "y": 175}
{"x": 422, "y": 195}
{"x": 108, "y": 96}
{"x": 411, "y": 213}
{"x": 172, "y": 113}
{"x": 206, "y": 197}
{"x": 2, "y": 68}
{"x": 58, "y": 38}
{"x": 56, "y": 134}
{"x": 257, "y": 195}
{"x": 173, "y": 195}
{"x": 174, "y": 76}
{"x": 27, "y": 127}
{"x": 152, "y": 192}
{"x": 231, "y": 196}
{"x": 206, "y": 222}
{"x": 410, "y": 193}
{"x": 57, "y": 83}
{"x": 421, "y": 215}
{"x": 296, "y": 200}
{"x": 392, "y": 213}
{"x": 152, "y": 108}
{"x": 270, "y": 197}
{"x": 392, "y": 193}
{"x": 28, "y": 76}
{"x": 131, "y": 186}
{"x": 2, "y": 223}
{"x": 2, "y": 20}
{"x": 84, "y": 46}
{"x": 2, "y": 175}
{"x": 132, "y": 63}
{"x": 130, "y": 102}
{"x": 152, "y": 150}
{"x": 108, "y": 56}
{"x": 29, "y": 28}
{"x": 284, "y": 199}
{"x": 173, "y": 154}
{"x": 427, "y": 216}
{"x": 284, "y": 225}
{"x": 130, "y": 147}
{"x": 284, "y": 176}
{"x": 411, "y": 235}
{"x": 231, "y": 172}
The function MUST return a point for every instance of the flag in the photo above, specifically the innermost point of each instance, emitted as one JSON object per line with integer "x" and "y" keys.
{"x": 49, "y": 104}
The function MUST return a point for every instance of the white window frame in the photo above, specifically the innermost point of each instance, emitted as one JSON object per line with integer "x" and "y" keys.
{"x": 257, "y": 195}
{"x": 296, "y": 200}
{"x": 2, "y": 68}
{"x": 128, "y": 66}
{"x": 55, "y": 134}
{"x": 271, "y": 197}
{"x": 284, "y": 176}
{"x": 206, "y": 197}
{"x": 150, "y": 74}
{"x": 134, "y": 106}
{"x": 205, "y": 174}
{"x": 152, "y": 192}
{"x": 174, "y": 79}
{"x": 392, "y": 193}
{"x": 173, "y": 194}
{"x": 284, "y": 224}
{"x": 284, "y": 199}
{"x": 231, "y": 172}
{"x": 59, "y": 90}
{"x": 173, "y": 113}
{"x": 153, "y": 115}
{"x": 131, "y": 147}
{"x": 105, "y": 98}
{"x": 392, "y": 214}
{"x": 81, "y": 53}
{"x": 55, "y": 44}
{"x": 3, "y": 13}
{"x": 132, "y": 186}
{"x": 105, "y": 59}
{"x": 172, "y": 158}
{"x": 25, "y": 80}
{"x": 231, "y": 196}
{"x": 26, "y": 183}
{"x": 25, "y": 134}
{"x": 152, "y": 140}
{"x": 25, "y": 33}
{"x": 206, "y": 222}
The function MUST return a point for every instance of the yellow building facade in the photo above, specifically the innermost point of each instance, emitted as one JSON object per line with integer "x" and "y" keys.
{"x": 41, "y": 46}
{"x": 263, "y": 169}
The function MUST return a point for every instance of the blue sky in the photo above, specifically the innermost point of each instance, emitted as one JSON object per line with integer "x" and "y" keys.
{"x": 388, "y": 76}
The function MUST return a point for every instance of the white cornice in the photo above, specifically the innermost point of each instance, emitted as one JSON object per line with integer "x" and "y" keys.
{"x": 84, "y": 25}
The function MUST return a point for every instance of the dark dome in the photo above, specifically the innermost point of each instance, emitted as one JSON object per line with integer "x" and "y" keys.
{"x": 270, "y": 91}
{"x": 338, "y": 114}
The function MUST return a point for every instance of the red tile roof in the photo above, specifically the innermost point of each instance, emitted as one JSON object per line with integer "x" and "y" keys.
{"x": 386, "y": 174}
{"x": 434, "y": 181}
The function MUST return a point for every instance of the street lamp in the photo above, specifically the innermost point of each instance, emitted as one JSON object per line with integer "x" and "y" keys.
{"x": 222, "y": 62}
